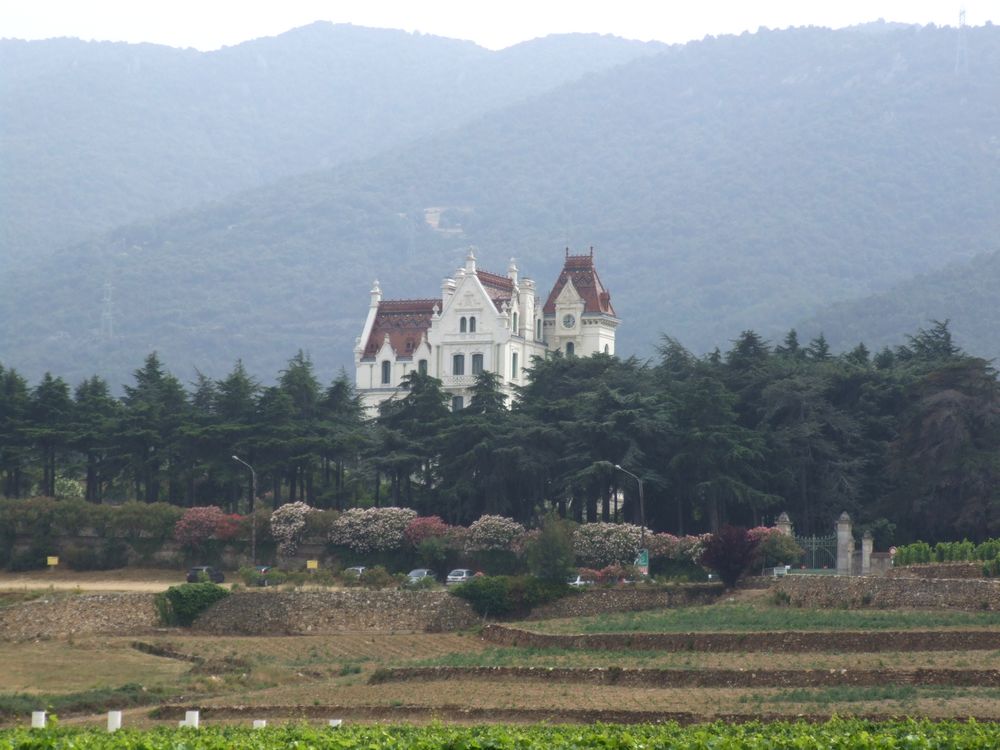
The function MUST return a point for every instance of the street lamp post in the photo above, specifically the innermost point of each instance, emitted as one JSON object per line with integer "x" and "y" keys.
{"x": 642, "y": 508}
{"x": 253, "y": 516}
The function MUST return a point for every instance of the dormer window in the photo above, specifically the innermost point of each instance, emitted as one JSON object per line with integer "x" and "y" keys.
{"x": 386, "y": 372}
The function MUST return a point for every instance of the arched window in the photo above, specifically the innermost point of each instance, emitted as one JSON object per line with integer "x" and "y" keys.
{"x": 422, "y": 367}
{"x": 462, "y": 325}
{"x": 386, "y": 372}
{"x": 458, "y": 364}
{"x": 607, "y": 349}
{"x": 538, "y": 330}
{"x": 472, "y": 324}
{"x": 514, "y": 374}
{"x": 515, "y": 324}
{"x": 570, "y": 349}
{"x": 477, "y": 364}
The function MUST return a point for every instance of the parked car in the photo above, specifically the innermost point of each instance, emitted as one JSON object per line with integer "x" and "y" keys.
{"x": 419, "y": 574}
{"x": 354, "y": 571}
{"x": 262, "y": 571}
{"x": 199, "y": 573}
{"x": 578, "y": 580}
{"x": 459, "y": 575}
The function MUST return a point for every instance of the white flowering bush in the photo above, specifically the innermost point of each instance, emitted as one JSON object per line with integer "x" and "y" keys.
{"x": 494, "y": 533}
{"x": 598, "y": 545}
{"x": 678, "y": 548}
{"x": 372, "y": 529}
{"x": 288, "y": 523}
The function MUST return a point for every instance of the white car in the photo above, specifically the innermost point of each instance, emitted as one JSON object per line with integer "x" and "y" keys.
{"x": 459, "y": 575}
{"x": 578, "y": 580}
{"x": 418, "y": 574}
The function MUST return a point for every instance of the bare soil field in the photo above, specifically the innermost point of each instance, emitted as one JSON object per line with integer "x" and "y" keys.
{"x": 138, "y": 580}
{"x": 235, "y": 679}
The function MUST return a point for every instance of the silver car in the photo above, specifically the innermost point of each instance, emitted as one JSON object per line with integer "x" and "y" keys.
{"x": 459, "y": 575}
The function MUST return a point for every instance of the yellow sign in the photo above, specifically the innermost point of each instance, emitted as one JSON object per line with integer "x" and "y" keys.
{"x": 312, "y": 564}
{"x": 52, "y": 561}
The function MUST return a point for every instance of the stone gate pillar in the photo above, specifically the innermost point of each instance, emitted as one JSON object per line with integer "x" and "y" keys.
{"x": 784, "y": 524}
{"x": 845, "y": 544}
{"x": 867, "y": 542}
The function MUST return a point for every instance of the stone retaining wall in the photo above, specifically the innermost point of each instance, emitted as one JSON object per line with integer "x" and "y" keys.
{"x": 90, "y": 614}
{"x": 788, "y": 641}
{"x": 328, "y": 612}
{"x": 939, "y": 570}
{"x": 890, "y": 592}
{"x": 597, "y": 600}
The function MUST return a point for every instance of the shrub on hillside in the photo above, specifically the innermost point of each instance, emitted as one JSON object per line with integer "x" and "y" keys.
{"x": 774, "y": 547}
{"x": 422, "y": 528}
{"x": 502, "y": 596}
{"x": 494, "y": 533}
{"x": 181, "y": 605}
{"x": 288, "y": 524}
{"x": 201, "y": 524}
{"x": 372, "y": 529}
{"x": 599, "y": 544}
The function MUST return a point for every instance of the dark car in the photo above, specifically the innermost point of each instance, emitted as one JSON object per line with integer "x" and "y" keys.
{"x": 201, "y": 573}
{"x": 418, "y": 574}
{"x": 263, "y": 572}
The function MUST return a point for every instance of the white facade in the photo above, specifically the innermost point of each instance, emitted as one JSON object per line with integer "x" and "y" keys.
{"x": 482, "y": 321}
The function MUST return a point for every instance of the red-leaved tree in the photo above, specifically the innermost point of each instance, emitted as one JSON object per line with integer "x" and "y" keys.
{"x": 729, "y": 553}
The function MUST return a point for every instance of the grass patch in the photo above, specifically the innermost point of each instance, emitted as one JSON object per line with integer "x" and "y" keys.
{"x": 756, "y": 618}
{"x": 86, "y": 701}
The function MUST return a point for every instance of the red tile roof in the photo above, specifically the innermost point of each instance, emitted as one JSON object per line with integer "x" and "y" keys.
{"x": 405, "y": 320}
{"x": 580, "y": 268}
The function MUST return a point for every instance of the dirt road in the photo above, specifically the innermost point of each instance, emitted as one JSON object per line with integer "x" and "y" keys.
{"x": 131, "y": 580}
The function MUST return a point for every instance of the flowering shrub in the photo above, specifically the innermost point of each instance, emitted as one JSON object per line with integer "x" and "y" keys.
{"x": 600, "y": 544}
{"x": 494, "y": 533}
{"x": 287, "y": 526}
{"x": 372, "y": 529}
{"x": 202, "y": 523}
{"x": 425, "y": 527}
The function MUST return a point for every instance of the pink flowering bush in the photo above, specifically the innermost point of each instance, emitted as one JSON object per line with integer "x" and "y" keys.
{"x": 288, "y": 524}
{"x": 372, "y": 529}
{"x": 494, "y": 533}
{"x": 203, "y": 523}
{"x": 600, "y": 544}
{"x": 774, "y": 547}
{"x": 425, "y": 527}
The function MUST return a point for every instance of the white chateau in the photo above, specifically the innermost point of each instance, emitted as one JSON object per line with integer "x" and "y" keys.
{"x": 482, "y": 321}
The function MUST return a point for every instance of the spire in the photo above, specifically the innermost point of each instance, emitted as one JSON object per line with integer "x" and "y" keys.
{"x": 470, "y": 261}
{"x": 512, "y": 271}
{"x": 376, "y": 293}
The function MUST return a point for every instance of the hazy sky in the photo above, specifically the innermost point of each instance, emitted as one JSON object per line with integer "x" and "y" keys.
{"x": 209, "y": 24}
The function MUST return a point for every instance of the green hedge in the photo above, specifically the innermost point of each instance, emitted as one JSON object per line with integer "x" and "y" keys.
{"x": 181, "y": 605}
{"x": 503, "y": 596}
{"x": 964, "y": 551}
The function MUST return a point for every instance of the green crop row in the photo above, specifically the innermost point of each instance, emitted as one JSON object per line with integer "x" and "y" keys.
{"x": 844, "y": 734}
{"x": 964, "y": 551}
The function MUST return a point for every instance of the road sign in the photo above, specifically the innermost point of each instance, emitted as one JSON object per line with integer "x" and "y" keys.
{"x": 642, "y": 561}
{"x": 312, "y": 564}
{"x": 52, "y": 561}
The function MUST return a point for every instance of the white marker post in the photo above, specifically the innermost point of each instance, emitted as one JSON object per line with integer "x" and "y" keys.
{"x": 259, "y": 723}
{"x": 335, "y": 723}
{"x": 114, "y": 721}
{"x": 38, "y": 720}
{"x": 191, "y": 719}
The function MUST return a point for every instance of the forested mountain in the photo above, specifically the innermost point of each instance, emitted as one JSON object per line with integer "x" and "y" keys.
{"x": 733, "y": 183}
{"x": 964, "y": 293}
{"x": 96, "y": 134}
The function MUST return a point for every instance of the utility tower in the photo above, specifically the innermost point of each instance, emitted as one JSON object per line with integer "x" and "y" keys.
{"x": 107, "y": 314}
{"x": 962, "y": 48}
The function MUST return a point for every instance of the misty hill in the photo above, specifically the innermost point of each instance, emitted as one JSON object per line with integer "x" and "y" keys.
{"x": 965, "y": 293}
{"x": 739, "y": 182}
{"x": 96, "y": 134}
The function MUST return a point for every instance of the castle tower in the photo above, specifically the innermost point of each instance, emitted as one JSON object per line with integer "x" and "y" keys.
{"x": 578, "y": 317}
